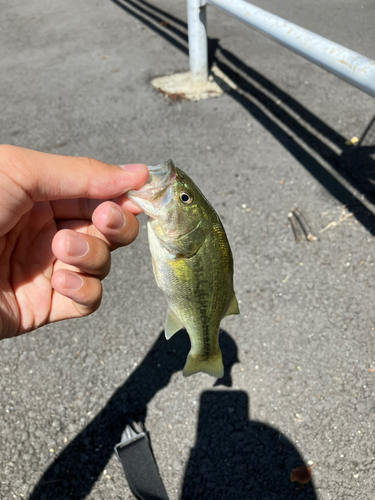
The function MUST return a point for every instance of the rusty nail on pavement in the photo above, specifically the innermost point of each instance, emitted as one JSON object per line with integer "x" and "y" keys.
{"x": 304, "y": 224}
{"x": 294, "y": 226}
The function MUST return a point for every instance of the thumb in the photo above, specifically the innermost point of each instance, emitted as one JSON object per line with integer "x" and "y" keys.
{"x": 44, "y": 176}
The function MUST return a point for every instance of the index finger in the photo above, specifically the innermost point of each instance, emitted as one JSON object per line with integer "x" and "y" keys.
{"x": 45, "y": 176}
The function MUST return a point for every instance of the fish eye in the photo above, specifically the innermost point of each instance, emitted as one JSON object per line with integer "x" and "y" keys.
{"x": 186, "y": 198}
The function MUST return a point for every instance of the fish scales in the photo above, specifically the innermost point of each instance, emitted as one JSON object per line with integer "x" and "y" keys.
{"x": 192, "y": 262}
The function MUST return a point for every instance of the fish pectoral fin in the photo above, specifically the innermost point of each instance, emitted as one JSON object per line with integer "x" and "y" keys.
{"x": 233, "y": 307}
{"x": 172, "y": 325}
{"x": 212, "y": 366}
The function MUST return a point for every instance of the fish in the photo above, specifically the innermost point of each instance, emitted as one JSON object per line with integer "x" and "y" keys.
{"x": 192, "y": 262}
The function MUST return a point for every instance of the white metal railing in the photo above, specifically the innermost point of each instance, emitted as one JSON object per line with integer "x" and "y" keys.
{"x": 352, "y": 67}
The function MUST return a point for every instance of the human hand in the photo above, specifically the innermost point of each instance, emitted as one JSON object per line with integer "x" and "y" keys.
{"x": 56, "y": 234}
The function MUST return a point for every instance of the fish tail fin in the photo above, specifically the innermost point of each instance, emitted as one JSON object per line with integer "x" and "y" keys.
{"x": 212, "y": 366}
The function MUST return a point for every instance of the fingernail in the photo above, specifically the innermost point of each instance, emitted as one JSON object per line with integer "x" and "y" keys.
{"x": 134, "y": 167}
{"x": 116, "y": 219}
{"x": 77, "y": 247}
{"x": 72, "y": 281}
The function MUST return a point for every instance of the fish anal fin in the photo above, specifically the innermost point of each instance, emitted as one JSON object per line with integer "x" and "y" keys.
{"x": 233, "y": 306}
{"x": 212, "y": 366}
{"x": 172, "y": 325}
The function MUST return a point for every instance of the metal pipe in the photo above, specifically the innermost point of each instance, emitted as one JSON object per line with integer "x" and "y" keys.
{"x": 352, "y": 67}
{"x": 198, "y": 54}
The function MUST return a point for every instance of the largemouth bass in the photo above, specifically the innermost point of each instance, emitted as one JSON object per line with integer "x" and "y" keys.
{"x": 192, "y": 263}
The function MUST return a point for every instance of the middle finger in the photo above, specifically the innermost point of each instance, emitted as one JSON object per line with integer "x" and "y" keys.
{"x": 89, "y": 254}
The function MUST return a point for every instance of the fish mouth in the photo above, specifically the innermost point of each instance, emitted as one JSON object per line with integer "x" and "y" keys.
{"x": 155, "y": 190}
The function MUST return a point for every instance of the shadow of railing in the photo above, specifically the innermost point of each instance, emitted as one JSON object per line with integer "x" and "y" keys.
{"x": 358, "y": 161}
{"x": 345, "y": 171}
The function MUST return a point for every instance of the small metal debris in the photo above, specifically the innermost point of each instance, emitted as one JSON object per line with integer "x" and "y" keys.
{"x": 295, "y": 227}
{"x": 304, "y": 224}
{"x": 298, "y": 222}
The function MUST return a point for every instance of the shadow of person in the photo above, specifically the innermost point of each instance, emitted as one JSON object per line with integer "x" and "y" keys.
{"x": 74, "y": 472}
{"x": 235, "y": 458}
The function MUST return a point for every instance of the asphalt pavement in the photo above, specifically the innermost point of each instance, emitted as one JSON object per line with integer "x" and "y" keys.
{"x": 299, "y": 360}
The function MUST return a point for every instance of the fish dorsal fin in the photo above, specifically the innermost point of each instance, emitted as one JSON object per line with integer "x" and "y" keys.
{"x": 233, "y": 306}
{"x": 172, "y": 325}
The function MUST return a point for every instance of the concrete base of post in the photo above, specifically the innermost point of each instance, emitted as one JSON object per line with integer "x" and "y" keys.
{"x": 180, "y": 87}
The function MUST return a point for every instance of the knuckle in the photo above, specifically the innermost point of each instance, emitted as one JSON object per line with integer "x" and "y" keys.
{"x": 91, "y": 163}
{"x": 15, "y": 173}
{"x": 11, "y": 153}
